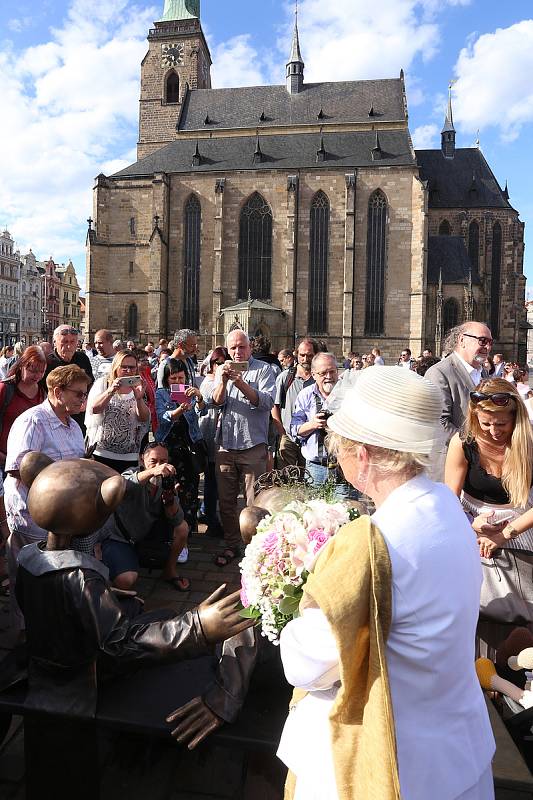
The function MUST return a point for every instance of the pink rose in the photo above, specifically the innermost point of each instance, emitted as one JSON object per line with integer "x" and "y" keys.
{"x": 317, "y": 538}
{"x": 270, "y": 543}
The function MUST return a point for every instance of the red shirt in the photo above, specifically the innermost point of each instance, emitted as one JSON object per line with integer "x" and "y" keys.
{"x": 19, "y": 403}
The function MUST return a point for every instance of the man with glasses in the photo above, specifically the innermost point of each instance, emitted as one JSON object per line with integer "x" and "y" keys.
{"x": 405, "y": 359}
{"x": 288, "y": 385}
{"x": 47, "y": 428}
{"x": 185, "y": 349}
{"x": 310, "y": 419}
{"x": 459, "y": 374}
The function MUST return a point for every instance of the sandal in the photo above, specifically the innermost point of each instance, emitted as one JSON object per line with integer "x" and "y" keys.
{"x": 179, "y": 584}
{"x": 226, "y": 557}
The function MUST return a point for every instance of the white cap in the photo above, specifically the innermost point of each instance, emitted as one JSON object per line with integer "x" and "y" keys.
{"x": 393, "y": 408}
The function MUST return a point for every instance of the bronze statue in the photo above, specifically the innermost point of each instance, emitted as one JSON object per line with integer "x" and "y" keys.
{"x": 77, "y": 628}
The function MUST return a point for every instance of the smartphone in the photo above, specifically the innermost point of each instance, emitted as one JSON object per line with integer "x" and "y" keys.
{"x": 178, "y": 393}
{"x": 134, "y": 380}
{"x": 239, "y": 366}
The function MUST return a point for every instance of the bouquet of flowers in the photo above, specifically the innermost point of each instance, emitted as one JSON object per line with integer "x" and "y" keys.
{"x": 280, "y": 556}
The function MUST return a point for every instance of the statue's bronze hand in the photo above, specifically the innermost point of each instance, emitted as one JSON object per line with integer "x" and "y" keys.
{"x": 219, "y": 616}
{"x": 195, "y": 722}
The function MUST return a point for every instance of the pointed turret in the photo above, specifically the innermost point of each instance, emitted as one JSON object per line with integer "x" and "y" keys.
{"x": 448, "y": 131}
{"x": 180, "y": 9}
{"x": 506, "y": 191}
{"x": 295, "y": 65}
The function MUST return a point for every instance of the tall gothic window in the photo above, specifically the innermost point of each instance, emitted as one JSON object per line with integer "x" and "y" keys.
{"x": 445, "y": 228}
{"x": 450, "y": 314}
{"x": 376, "y": 261}
{"x": 473, "y": 244}
{"x": 255, "y": 249}
{"x": 496, "y": 273}
{"x": 191, "y": 264}
{"x": 318, "y": 264}
{"x": 172, "y": 88}
{"x": 133, "y": 321}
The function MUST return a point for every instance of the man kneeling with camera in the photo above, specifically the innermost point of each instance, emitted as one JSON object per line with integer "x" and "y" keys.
{"x": 148, "y": 528}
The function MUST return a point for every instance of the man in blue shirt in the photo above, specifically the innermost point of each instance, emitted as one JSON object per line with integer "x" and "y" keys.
{"x": 245, "y": 397}
{"x": 310, "y": 419}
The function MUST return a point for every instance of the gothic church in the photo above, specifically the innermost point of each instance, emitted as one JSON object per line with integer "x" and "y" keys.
{"x": 298, "y": 208}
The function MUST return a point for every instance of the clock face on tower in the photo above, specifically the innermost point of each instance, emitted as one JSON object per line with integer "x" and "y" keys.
{"x": 171, "y": 55}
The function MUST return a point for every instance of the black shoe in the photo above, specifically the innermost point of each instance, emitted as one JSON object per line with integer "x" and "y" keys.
{"x": 216, "y": 531}
{"x": 201, "y": 517}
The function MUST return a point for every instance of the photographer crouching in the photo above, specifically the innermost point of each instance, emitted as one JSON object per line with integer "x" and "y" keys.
{"x": 148, "y": 528}
{"x": 309, "y": 426}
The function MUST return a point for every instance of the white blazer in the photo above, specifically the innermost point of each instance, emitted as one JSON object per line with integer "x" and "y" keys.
{"x": 445, "y": 742}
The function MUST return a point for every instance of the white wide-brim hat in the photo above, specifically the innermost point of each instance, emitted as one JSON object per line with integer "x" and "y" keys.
{"x": 391, "y": 407}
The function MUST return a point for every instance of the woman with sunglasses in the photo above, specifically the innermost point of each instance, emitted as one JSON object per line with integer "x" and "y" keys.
{"x": 208, "y": 426}
{"x": 117, "y": 416}
{"x": 489, "y": 466}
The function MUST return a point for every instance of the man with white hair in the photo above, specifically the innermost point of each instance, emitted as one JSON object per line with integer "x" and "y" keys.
{"x": 66, "y": 352}
{"x": 185, "y": 347}
{"x": 244, "y": 390}
{"x": 460, "y": 373}
{"x": 310, "y": 419}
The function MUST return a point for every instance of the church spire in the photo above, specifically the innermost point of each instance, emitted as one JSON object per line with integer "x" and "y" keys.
{"x": 295, "y": 65}
{"x": 180, "y": 9}
{"x": 448, "y": 131}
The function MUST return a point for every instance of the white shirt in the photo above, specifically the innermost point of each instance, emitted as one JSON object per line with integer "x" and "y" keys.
{"x": 39, "y": 428}
{"x": 444, "y": 738}
{"x": 474, "y": 372}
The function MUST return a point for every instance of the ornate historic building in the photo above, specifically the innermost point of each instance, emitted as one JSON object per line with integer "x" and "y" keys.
{"x": 50, "y": 299}
{"x": 69, "y": 295}
{"x": 296, "y": 209}
{"x": 9, "y": 290}
{"x": 31, "y": 302}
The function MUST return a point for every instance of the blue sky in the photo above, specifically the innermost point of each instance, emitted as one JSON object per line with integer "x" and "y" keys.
{"x": 69, "y": 83}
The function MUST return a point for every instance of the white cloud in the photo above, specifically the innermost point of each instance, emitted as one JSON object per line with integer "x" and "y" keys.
{"x": 236, "y": 63}
{"x": 425, "y": 137}
{"x": 353, "y": 42}
{"x": 493, "y": 85}
{"x": 73, "y": 110}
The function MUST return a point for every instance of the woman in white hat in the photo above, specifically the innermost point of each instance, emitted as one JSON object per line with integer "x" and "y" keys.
{"x": 422, "y": 675}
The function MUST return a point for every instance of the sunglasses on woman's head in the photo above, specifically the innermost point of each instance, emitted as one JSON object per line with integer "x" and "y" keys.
{"x": 498, "y": 398}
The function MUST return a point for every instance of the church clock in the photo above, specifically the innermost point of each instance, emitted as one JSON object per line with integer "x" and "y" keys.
{"x": 171, "y": 55}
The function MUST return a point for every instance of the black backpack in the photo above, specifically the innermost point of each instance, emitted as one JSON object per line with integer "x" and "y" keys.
{"x": 287, "y": 381}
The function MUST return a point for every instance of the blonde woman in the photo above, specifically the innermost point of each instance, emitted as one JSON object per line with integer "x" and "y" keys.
{"x": 117, "y": 416}
{"x": 489, "y": 466}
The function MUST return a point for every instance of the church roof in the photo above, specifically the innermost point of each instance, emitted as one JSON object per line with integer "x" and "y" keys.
{"x": 278, "y": 151}
{"x": 464, "y": 181}
{"x": 448, "y": 255}
{"x": 327, "y": 103}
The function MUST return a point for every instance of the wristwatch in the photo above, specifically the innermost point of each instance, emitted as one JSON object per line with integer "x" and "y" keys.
{"x": 510, "y": 533}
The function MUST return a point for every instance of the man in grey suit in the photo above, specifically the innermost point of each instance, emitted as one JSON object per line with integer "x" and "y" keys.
{"x": 459, "y": 374}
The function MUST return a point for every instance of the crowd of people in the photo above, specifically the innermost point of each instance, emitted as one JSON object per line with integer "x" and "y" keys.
{"x": 163, "y": 418}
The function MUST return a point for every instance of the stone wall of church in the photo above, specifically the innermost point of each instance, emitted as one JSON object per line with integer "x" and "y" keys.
{"x": 128, "y": 262}
{"x": 511, "y": 339}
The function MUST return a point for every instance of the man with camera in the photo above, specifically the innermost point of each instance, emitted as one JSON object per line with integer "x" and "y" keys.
{"x": 244, "y": 390}
{"x": 148, "y": 526}
{"x": 310, "y": 419}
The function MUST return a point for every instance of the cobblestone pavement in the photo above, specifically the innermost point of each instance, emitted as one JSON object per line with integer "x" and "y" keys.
{"x": 137, "y": 769}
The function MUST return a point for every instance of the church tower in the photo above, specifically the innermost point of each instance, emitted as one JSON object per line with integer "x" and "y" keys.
{"x": 447, "y": 135}
{"x": 178, "y": 58}
{"x": 295, "y": 65}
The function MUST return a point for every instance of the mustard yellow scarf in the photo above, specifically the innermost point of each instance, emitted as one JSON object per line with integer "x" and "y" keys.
{"x": 352, "y": 585}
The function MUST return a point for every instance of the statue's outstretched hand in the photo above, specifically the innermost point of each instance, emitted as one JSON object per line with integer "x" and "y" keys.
{"x": 195, "y": 722}
{"x": 219, "y": 616}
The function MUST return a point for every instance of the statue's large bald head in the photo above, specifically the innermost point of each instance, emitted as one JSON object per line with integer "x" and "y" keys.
{"x": 71, "y": 497}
